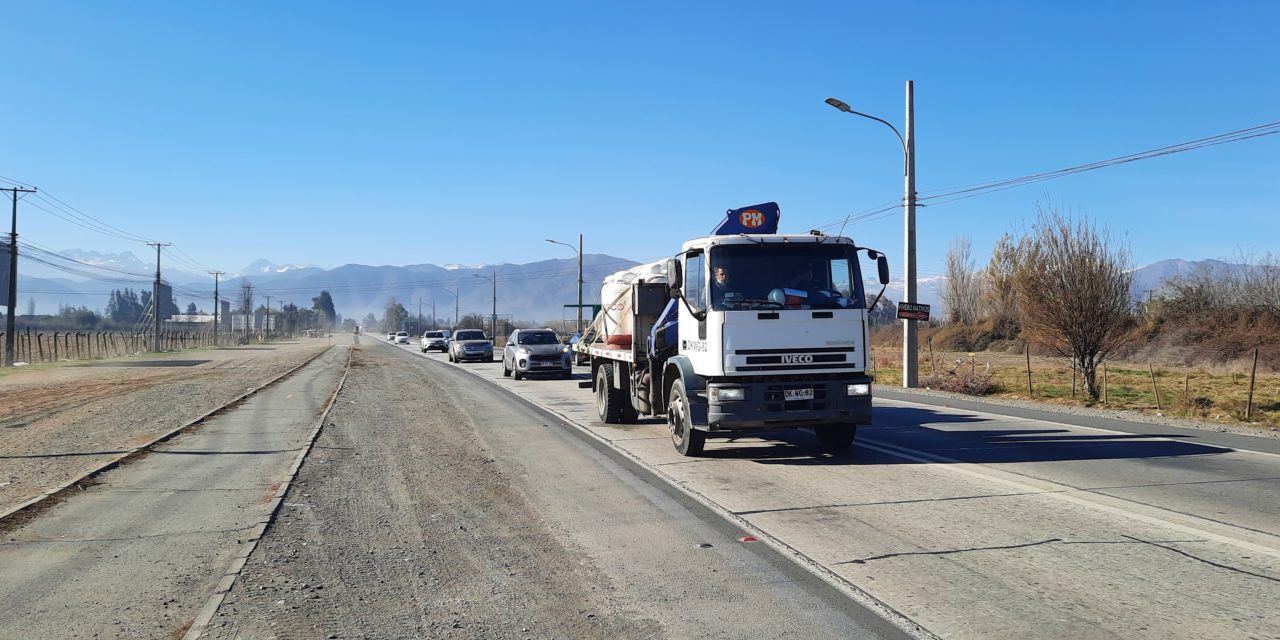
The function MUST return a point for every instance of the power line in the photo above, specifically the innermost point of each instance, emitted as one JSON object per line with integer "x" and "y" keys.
{"x": 952, "y": 194}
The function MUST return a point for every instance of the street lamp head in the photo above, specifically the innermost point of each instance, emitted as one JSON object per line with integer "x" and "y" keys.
{"x": 839, "y": 105}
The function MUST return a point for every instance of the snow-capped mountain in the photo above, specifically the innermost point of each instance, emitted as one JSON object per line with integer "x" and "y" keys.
{"x": 263, "y": 266}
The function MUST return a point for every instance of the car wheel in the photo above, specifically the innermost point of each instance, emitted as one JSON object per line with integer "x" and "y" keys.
{"x": 688, "y": 441}
{"x": 567, "y": 374}
{"x": 506, "y": 371}
{"x": 517, "y": 375}
{"x": 451, "y": 357}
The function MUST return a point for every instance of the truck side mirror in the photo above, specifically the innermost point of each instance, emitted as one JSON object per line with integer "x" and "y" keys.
{"x": 675, "y": 278}
{"x": 882, "y": 264}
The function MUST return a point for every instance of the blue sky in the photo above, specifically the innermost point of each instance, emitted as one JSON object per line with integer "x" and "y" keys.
{"x": 403, "y": 133}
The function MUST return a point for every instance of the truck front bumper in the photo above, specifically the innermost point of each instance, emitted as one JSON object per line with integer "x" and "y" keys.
{"x": 765, "y": 405}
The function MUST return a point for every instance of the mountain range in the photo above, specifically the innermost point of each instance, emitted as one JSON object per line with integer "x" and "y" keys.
{"x": 535, "y": 291}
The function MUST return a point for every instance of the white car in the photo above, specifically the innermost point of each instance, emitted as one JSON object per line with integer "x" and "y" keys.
{"x": 391, "y": 336}
{"x": 435, "y": 340}
{"x": 402, "y": 337}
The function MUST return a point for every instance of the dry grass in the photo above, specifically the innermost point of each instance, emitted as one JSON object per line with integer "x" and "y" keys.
{"x": 1218, "y": 394}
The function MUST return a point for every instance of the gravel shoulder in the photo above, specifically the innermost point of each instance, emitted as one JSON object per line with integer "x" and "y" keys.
{"x": 434, "y": 505}
{"x": 400, "y": 525}
{"x": 58, "y": 423}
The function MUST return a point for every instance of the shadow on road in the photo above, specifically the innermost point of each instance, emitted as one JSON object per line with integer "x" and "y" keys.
{"x": 952, "y": 436}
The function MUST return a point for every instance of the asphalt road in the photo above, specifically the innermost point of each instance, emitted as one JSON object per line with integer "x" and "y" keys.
{"x": 974, "y": 524}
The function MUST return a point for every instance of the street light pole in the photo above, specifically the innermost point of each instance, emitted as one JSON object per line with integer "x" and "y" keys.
{"x": 493, "y": 317}
{"x": 579, "y": 252}
{"x": 910, "y": 339}
{"x": 453, "y": 293}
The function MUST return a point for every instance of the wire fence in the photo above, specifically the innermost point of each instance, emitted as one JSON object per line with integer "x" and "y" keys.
{"x": 40, "y": 347}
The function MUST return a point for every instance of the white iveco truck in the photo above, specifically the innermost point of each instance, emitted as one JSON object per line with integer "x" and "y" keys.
{"x": 743, "y": 331}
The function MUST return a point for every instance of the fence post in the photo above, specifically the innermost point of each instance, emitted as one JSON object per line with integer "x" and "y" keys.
{"x": 933, "y": 364}
{"x": 1253, "y": 376}
{"x": 1105, "y": 388}
{"x": 1073, "y": 380}
{"x": 1186, "y": 388}
{"x": 1154, "y": 386}
{"x": 1030, "y": 390}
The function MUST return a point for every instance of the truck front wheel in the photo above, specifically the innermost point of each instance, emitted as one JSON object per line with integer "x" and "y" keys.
{"x": 608, "y": 400}
{"x": 835, "y": 438}
{"x": 688, "y": 441}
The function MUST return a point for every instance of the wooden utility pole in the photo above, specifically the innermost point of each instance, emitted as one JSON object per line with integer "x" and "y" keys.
{"x": 11, "y": 324}
{"x": 155, "y": 294}
{"x": 216, "y": 304}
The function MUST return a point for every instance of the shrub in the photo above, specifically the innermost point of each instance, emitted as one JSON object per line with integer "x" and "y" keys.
{"x": 974, "y": 384}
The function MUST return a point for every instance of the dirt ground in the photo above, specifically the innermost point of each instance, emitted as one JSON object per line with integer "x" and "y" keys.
{"x": 58, "y": 422}
{"x": 402, "y": 525}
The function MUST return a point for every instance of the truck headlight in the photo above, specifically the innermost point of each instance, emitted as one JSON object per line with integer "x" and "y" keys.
{"x": 727, "y": 394}
{"x": 860, "y": 389}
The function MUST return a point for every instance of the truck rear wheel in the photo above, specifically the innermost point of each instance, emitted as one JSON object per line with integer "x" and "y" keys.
{"x": 688, "y": 441}
{"x": 608, "y": 400}
{"x": 835, "y": 438}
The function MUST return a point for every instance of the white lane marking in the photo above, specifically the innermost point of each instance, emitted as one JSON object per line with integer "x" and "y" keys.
{"x": 1077, "y": 426}
{"x": 1255, "y": 541}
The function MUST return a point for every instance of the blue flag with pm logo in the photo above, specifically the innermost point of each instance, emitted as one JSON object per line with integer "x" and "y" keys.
{"x": 755, "y": 219}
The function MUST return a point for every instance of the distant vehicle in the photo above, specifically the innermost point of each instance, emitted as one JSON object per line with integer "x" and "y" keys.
{"x": 470, "y": 344}
{"x": 391, "y": 336}
{"x": 402, "y": 337}
{"x": 535, "y": 351}
{"x": 435, "y": 340}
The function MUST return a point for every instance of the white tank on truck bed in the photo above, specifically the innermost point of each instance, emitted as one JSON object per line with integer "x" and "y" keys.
{"x": 615, "y": 298}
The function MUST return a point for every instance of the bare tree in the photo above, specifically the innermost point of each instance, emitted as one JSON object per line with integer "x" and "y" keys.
{"x": 1072, "y": 282}
{"x": 960, "y": 297}
{"x": 999, "y": 303}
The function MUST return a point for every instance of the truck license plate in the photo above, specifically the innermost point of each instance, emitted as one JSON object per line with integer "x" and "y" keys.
{"x": 797, "y": 394}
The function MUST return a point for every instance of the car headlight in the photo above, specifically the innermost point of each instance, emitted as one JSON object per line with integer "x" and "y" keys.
{"x": 522, "y": 351}
{"x": 727, "y": 394}
{"x": 860, "y": 389}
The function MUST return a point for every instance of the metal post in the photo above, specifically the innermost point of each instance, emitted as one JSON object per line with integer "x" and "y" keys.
{"x": 910, "y": 340}
{"x": 493, "y": 318}
{"x": 266, "y": 321}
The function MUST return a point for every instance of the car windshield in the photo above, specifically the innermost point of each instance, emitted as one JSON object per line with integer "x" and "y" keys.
{"x": 790, "y": 276}
{"x": 470, "y": 335}
{"x": 538, "y": 337}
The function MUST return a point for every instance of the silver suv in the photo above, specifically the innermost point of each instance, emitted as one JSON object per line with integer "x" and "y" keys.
{"x": 530, "y": 351}
{"x": 470, "y": 344}
{"x": 435, "y": 340}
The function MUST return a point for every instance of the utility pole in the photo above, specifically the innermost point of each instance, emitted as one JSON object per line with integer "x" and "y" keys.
{"x": 419, "y": 327}
{"x": 10, "y": 323}
{"x": 266, "y": 323}
{"x": 433, "y": 314}
{"x": 910, "y": 341}
{"x": 493, "y": 317}
{"x": 155, "y": 294}
{"x": 216, "y": 304}
{"x": 580, "y": 284}
{"x": 454, "y": 293}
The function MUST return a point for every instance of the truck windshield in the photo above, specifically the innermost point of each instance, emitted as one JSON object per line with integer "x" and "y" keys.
{"x": 785, "y": 276}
